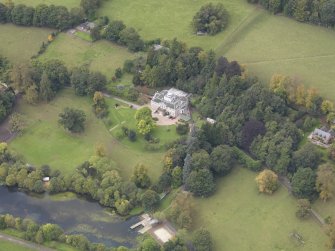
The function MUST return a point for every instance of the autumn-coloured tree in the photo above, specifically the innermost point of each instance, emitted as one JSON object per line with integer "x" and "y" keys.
{"x": 325, "y": 182}
{"x": 281, "y": 85}
{"x": 100, "y": 150}
{"x": 267, "y": 181}
{"x": 327, "y": 106}
{"x": 100, "y": 106}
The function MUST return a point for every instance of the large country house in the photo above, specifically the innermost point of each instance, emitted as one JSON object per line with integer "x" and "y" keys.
{"x": 172, "y": 102}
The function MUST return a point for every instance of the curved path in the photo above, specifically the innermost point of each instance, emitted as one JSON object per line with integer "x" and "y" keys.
{"x": 24, "y": 243}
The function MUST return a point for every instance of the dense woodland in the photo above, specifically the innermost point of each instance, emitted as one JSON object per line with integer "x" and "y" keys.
{"x": 321, "y": 12}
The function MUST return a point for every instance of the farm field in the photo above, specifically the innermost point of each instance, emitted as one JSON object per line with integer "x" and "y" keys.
{"x": 275, "y": 44}
{"x": 18, "y": 44}
{"x": 66, "y": 3}
{"x": 101, "y": 56}
{"x": 45, "y": 142}
{"x": 240, "y": 219}
{"x": 172, "y": 19}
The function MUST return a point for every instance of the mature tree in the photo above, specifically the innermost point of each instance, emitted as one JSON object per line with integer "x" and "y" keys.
{"x": 230, "y": 69}
{"x": 325, "y": 181}
{"x": 177, "y": 177}
{"x": 131, "y": 39}
{"x": 327, "y": 107}
{"x": 145, "y": 123}
{"x": 149, "y": 245}
{"x": 222, "y": 159}
{"x": 45, "y": 91}
{"x": 51, "y": 232}
{"x": 150, "y": 200}
{"x": 210, "y": 19}
{"x": 304, "y": 208}
{"x": 307, "y": 156}
{"x": 201, "y": 182}
{"x": 182, "y": 211}
{"x": 113, "y": 30}
{"x": 140, "y": 176}
{"x": 100, "y": 106}
{"x": 17, "y": 123}
{"x": 327, "y": 13}
{"x": 202, "y": 240}
{"x": 72, "y": 120}
{"x": 267, "y": 181}
{"x": 200, "y": 160}
{"x": 31, "y": 94}
{"x": 250, "y": 131}
{"x": 303, "y": 183}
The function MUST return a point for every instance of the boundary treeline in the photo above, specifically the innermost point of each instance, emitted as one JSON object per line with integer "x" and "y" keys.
{"x": 52, "y": 16}
{"x": 320, "y": 12}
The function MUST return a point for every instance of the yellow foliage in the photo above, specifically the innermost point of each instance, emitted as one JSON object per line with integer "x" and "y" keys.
{"x": 327, "y": 106}
{"x": 267, "y": 181}
{"x": 100, "y": 150}
{"x": 50, "y": 37}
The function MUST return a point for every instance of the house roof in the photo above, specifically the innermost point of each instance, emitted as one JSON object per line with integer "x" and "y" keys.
{"x": 321, "y": 133}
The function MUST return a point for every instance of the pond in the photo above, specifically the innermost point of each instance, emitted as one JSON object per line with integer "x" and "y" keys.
{"x": 75, "y": 215}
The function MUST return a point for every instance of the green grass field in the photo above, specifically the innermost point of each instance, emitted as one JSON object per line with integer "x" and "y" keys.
{"x": 18, "y": 44}
{"x": 45, "y": 142}
{"x": 241, "y": 219}
{"x": 66, "y": 3}
{"x": 275, "y": 44}
{"x": 101, "y": 56}
{"x": 6, "y": 245}
{"x": 170, "y": 19}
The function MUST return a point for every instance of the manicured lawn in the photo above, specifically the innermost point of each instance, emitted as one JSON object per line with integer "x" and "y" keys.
{"x": 125, "y": 116}
{"x": 45, "y": 142}
{"x": 170, "y": 19}
{"x": 100, "y": 56}
{"x": 66, "y": 3}
{"x": 6, "y": 245}
{"x": 276, "y": 44}
{"x": 83, "y": 35}
{"x": 18, "y": 43}
{"x": 240, "y": 219}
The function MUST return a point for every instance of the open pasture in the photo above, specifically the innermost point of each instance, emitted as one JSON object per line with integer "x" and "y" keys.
{"x": 239, "y": 218}
{"x": 172, "y": 19}
{"x": 18, "y": 43}
{"x": 275, "y": 44}
{"x": 100, "y": 56}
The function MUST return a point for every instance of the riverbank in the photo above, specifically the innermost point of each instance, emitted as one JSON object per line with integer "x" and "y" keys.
{"x": 74, "y": 215}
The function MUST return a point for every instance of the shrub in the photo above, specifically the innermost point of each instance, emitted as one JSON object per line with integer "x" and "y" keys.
{"x": 132, "y": 135}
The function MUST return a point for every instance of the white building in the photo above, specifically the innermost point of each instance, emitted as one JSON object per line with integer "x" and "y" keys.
{"x": 174, "y": 102}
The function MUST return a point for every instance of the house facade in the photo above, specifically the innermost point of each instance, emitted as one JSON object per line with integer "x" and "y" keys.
{"x": 174, "y": 102}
